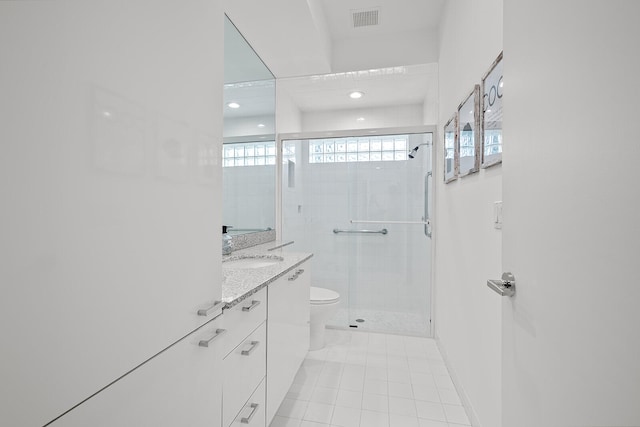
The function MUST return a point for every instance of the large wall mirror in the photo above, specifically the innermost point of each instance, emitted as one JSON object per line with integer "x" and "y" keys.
{"x": 492, "y": 88}
{"x": 249, "y": 150}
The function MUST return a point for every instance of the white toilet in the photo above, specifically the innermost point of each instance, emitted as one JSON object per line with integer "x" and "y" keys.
{"x": 324, "y": 303}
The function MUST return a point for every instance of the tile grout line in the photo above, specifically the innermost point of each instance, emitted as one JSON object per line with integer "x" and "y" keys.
{"x": 381, "y": 353}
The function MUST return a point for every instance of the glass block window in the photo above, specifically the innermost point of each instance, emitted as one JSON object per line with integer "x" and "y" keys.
{"x": 288, "y": 152}
{"x": 359, "y": 149}
{"x": 249, "y": 154}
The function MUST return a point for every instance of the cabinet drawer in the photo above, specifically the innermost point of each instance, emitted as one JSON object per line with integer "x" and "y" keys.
{"x": 243, "y": 319}
{"x": 244, "y": 369}
{"x": 253, "y": 413}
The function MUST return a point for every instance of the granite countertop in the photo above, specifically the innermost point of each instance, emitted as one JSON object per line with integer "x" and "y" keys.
{"x": 239, "y": 283}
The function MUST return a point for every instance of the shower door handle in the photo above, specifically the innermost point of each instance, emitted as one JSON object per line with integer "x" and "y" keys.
{"x": 426, "y": 219}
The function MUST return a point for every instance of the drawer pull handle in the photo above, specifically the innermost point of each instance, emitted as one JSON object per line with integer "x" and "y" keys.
{"x": 296, "y": 274}
{"x": 254, "y": 409}
{"x": 205, "y": 343}
{"x": 248, "y": 352}
{"x": 253, "y": 305}
{"x": 215, "y": 307}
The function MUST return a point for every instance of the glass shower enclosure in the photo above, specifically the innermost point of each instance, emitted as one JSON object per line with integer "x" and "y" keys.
{"x": 361, "y": 204}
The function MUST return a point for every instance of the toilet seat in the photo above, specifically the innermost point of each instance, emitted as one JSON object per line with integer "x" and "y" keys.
{"x": 321, "y": 296}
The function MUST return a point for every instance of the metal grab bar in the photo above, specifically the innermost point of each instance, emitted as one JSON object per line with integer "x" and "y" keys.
{"x": 383, "y": 231}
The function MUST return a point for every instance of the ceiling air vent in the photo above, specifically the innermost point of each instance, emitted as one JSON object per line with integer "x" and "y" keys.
{"x": 365, "y": 17}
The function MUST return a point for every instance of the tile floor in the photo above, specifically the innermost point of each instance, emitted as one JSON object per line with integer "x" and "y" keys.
{"x": 365, "y": 379}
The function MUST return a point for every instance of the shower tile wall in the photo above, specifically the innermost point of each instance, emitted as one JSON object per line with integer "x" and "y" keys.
{"x": 248, "y": 196}
{"x": 370, "y": 271}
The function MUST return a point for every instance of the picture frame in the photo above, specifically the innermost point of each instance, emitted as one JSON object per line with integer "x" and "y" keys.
{"x": 468, "y": 133}
{"x": 491, "y": 107}
{"x": 450, "y": 150}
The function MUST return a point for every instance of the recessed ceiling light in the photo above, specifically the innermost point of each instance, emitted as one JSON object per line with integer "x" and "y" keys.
{"x": 360, "y": 119}
{"x": 356, "y": 94}
{"x": 233, "y": 105}
{"x": 261, "y": 125}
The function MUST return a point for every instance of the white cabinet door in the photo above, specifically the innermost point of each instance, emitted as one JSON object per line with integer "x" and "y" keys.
{"x": 287, "y": 332}
{"x": 182, "y": 386}
{"x": 110, "y": 220}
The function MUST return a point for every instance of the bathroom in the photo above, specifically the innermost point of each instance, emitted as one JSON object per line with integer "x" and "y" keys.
{"x": 114, "y": 169}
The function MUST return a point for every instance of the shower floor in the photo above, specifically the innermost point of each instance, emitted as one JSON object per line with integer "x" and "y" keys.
{"x": 382, "y": 321}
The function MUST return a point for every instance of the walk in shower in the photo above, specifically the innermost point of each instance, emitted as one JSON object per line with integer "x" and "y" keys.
{"x": 361, "y": 204}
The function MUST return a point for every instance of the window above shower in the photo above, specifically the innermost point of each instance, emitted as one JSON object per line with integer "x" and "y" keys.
{"x": 254, "y": 154}
{"x": 359, "y": 149}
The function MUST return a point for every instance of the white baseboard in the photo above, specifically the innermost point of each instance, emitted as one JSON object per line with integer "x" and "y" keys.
{"x": 466, "y": 403}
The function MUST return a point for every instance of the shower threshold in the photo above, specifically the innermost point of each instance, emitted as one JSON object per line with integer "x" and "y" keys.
{"x": 381, "y": 321}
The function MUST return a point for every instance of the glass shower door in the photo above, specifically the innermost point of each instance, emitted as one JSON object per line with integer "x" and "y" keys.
{"x": 359, "y": 204}
{"x": 389, "y": 253}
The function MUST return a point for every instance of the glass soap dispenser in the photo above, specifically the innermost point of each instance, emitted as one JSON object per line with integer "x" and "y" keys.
{"x": 227, "y": 244}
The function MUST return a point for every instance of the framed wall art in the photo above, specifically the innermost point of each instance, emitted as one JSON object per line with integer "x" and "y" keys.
{"x": 468, "y": 133}
{"x": 450, "y": 151}
{"x": 491, "y": 123}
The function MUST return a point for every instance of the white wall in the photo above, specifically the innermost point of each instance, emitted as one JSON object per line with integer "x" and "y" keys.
{"x": 377, "y": 117}
{"x": 385, "y": 50}
{"x": 288, "y": 115}
{"x": 468, "y": 248}
{"x": 431, "y": 104}
{"x": 571, "y": 228}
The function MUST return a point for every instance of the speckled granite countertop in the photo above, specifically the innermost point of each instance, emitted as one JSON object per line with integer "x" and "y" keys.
{"x": 239, "y": 283}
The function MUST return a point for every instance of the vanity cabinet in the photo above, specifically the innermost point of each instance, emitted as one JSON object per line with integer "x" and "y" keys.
{"x": 245, "y": 362}
{"x": 181, "y": 386}
{"x": 287, "y": 331}
{"x": 110, "y": 240}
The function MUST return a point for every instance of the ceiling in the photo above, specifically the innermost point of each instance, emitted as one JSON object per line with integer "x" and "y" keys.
{"x": 395, "y": 16}
{"x": 300, "y": 38}
{"x": 404, "y": 85}
{"x": 304, "y": 42}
